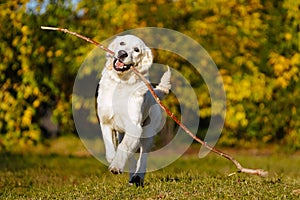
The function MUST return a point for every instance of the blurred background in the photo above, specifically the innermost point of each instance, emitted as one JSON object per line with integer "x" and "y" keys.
{"x": 255, "y": 44}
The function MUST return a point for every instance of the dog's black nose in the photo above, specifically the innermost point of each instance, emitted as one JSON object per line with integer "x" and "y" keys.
{"x": 122, "y": 54}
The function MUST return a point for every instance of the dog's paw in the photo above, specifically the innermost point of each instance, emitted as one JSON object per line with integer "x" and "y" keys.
{"x": 115, "y": 170}
{"x": 137, "y": 181}
{"x": 115, "y": 167}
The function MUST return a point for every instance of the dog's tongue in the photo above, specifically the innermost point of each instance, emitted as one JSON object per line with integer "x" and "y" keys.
{"x": 119, "y": 64}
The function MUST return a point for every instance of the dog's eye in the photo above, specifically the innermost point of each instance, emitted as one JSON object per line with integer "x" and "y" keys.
{"x": 122, "y": 43}
{"x": 136, "y": 49}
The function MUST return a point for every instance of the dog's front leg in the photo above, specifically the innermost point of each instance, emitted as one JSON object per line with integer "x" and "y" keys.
{"x": 108, "y": 142}
{"x": 126, "y": 149}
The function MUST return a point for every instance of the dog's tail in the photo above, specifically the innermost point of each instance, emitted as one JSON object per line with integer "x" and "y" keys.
{"x": 164, "y": 86}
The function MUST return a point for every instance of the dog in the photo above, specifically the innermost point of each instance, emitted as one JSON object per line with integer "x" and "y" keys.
{"x": 128, "y": 114}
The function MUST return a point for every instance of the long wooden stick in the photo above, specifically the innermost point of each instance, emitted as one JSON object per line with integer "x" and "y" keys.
{"x": 80, "y": 36}
{"x": 240, "y": 168}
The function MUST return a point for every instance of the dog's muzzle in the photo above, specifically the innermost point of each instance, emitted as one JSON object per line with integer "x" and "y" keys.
{"x": 118, "y": 62}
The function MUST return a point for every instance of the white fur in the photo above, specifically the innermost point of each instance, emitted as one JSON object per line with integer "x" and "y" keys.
{"x": 126, "y": 107}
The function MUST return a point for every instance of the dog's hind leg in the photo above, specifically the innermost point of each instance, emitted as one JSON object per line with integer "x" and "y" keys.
{"x": 132, "y": 167}
{"x": 138, "y": 176}
{"x": 131, "y": 160}
{"x": 152, "y": 125}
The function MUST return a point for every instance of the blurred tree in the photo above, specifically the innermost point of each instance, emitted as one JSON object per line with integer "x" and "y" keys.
{"x": 32, "y": 74}
{"x": 254, "y": 43}
{"x": 20, "y": 94}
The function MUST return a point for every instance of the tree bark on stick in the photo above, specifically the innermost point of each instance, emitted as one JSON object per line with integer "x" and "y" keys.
{"x": 240, "y": 168}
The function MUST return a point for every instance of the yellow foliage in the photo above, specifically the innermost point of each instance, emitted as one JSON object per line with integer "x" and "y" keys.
{"x": 49, "y": 54}
{"x": 25, "y": 64}
{"x": 236, "y": 117}
{"x": 267, "y": 138}
{"x": 16, "y": 41}
{"x": 41, "y": 49}
{"x": 295, "y": 60}
{"x": 27, "y": 117}
{"x": 36, "y": 103}
{"x": 36, "y": 91}
{"x": 281, "y": 82}
{"x": 34, "y": 135}
{"x": 285, "y": 69}
{"x": 58, "y": 53}
{"x": 205, "y": 112}
{"x": 27, "y": 92}
{"x": 25, "y": 30}
{"x": 294, "y": 110}
{"x": 23, "y": 49}
{"x": 288, "y": 36}
{"x": 279, "y": 68}
{"x": 24, "y": 39}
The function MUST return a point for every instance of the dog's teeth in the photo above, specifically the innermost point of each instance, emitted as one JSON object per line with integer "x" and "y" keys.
{"x": 119, "y": 64}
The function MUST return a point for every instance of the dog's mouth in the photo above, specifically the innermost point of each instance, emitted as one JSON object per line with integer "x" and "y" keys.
{"x": 120, "y": 66}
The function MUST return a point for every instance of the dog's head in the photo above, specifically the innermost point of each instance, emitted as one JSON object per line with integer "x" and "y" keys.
{"x": 129, "y": 51}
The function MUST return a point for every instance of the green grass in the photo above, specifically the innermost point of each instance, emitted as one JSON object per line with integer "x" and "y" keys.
{"x": 60, "y": 176}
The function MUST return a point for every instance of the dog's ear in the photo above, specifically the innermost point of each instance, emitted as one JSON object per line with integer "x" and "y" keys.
{"x": 147, "y": 58}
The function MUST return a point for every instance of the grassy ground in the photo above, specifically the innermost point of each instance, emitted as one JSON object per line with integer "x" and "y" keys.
{"x": 77, "y": 176}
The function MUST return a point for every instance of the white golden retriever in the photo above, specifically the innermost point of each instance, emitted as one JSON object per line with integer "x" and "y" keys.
{"x": 126, "y": 109}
